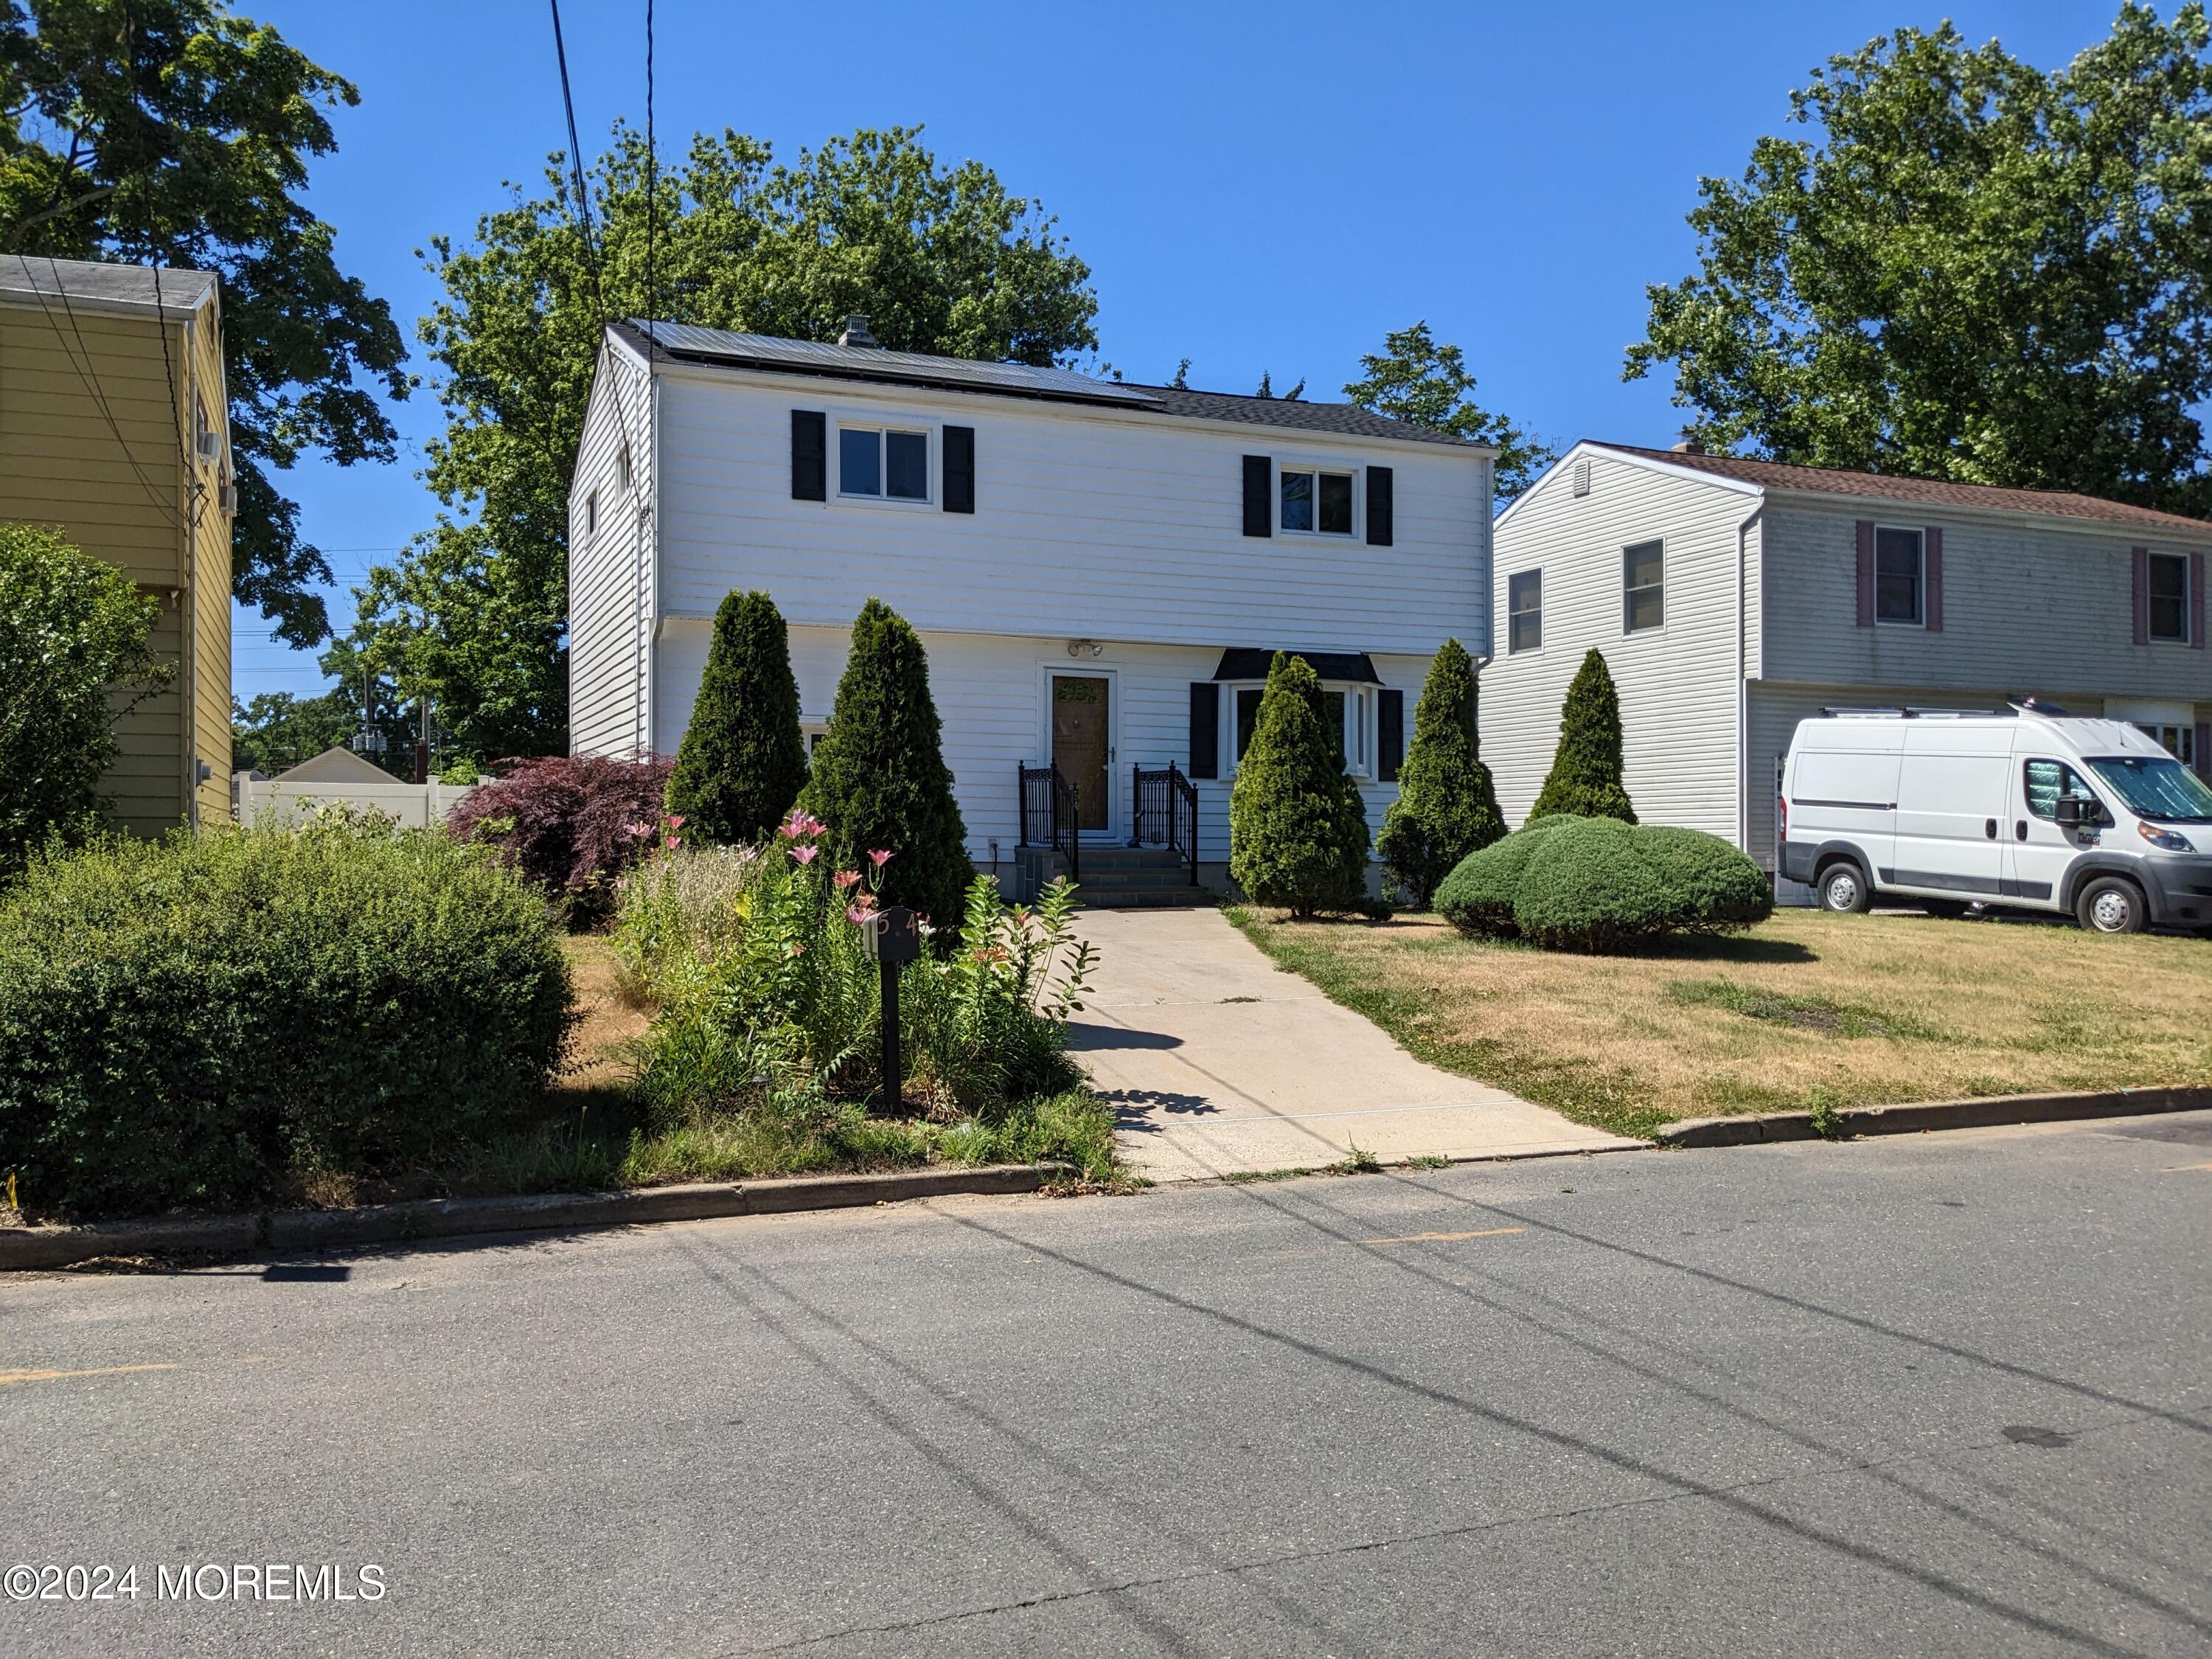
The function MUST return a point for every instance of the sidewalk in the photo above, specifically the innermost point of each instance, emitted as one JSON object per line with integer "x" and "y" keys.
{"x": 1219, "y": 1063}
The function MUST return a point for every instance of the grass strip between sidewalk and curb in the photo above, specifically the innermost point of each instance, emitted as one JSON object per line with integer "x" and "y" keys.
{"x": 23, "y": 1248}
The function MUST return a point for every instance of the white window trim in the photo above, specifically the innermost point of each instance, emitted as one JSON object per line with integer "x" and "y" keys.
{"x": 1357, "y": 536}
{"x": 881, "y": 421}
{"x": 2188, "y": 608}
{"x": 1660, "y": 630}
{"x": 1920, "y": 580}
{"x": 1537, "y": 649}
{"x": 1360, "y": 704}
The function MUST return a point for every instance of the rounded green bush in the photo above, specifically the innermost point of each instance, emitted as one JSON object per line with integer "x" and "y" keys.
{"x": 1478, "y": 895}
{"x": 1596, "y": 884}
{"x": 202, "y": 1020}
{"x": 1589, "y": 885}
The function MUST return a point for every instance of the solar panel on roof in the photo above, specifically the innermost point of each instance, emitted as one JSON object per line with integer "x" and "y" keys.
{"x": 808, "y": 356}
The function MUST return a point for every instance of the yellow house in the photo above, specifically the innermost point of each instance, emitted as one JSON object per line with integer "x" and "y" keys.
{"x": 115, "y": 427}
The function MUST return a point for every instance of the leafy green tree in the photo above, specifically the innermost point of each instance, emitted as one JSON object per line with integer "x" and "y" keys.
{"x": 744, "y": 758}
{"x": 880, "y": 782}
{"x": 1971, "y": 269}
{"x": 278, "y": 730}
{"x": 940, "y": 259}
{"x": 171, "y": 132}
{"x": 1297, "y": 827}
{"x": 1416, "y": 379}
{"x": 1585, "y": 779}
{"x": 1447, "y": 806}
{"x": 75, "y": 653}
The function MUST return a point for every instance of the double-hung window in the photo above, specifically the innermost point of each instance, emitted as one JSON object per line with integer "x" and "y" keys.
{"x": 1348, "y": 712}
{"x": 1317, "y": 502}
{"x": 1643, "y": 586}
{"x": 1897, "y": 577}
{"x": 884, "y": 463}
{"x": 2169, "y": 598}
{"x": 1524, "y": 612}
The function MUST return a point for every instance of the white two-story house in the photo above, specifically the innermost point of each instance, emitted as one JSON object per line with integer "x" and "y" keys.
{"x": 1100, "y": 572}
{"x": 1733, "y": 597}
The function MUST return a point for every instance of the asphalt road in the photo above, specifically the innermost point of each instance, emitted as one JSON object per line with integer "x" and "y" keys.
{"x": 1936, "y": 1395}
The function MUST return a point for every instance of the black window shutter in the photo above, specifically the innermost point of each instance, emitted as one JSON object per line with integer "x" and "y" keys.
{"x": 810, "y": 444}
{"x": 1381, "y": 506}
{"x": 1389, "y": 733}
{"x": 1205, "y": 729}
{"x": 1259, "y": 477}
{"x": 959, "y": 469}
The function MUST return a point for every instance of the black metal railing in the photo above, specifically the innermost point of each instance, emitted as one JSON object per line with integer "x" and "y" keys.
{"x": 1164, "y": 811}
{"x": 1049, "y": 815}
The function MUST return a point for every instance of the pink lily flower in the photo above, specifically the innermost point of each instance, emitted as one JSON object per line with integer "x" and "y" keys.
{"x": 676, "y": 821}
{"x": 880, "y": 857}
{"x": 856, "y": 914}
{"x": 672, "y": 842}
{"x": 845, "y": 878}
{"x": 806, "y": 854}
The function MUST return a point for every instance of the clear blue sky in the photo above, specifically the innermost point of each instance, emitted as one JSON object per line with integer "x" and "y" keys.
{"x": 1254, "y": 187}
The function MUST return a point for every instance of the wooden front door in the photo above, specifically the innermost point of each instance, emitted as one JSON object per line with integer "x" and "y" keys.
{"x": 1082, "y": 744}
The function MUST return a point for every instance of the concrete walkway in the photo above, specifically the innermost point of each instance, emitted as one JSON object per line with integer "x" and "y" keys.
{"x": 1219, "y": 1062}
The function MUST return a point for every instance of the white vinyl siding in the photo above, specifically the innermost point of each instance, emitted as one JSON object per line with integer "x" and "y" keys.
{"x": 1677, "y": 681}
{"x": 1090, "y": 523}
{"x": 609, "y": 566}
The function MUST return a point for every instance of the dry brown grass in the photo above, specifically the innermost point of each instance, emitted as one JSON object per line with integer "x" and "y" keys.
{"x": 600, "y": 1054}
{"x": 1809, "y": 1009}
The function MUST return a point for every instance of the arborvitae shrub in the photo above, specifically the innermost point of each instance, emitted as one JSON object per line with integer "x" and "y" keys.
{"x": 1297, "y": 827}
{"x": 742, "y": 761}
{"x": 1447, "y": 806}
{"x": 880, "y": 782}
{"x": 1586, "y": 776}
{"x": 205, "y": 1020}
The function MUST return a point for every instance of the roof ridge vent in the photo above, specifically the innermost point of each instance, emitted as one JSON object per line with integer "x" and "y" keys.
{"x": 856, "y": 332}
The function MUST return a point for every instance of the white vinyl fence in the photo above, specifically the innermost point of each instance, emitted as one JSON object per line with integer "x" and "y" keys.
{"x": 267, "y": 800}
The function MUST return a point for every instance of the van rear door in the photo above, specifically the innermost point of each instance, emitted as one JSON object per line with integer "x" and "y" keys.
{"x": 1951, "y": 795}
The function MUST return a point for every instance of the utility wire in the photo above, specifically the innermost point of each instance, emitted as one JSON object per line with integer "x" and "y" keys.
{"x": 90, "y": 375}
{"x": 652, "y": 185}
{"x": 576, "y": 170}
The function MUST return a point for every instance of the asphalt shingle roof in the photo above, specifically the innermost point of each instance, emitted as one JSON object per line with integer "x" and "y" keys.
{"x": 684, "y": 343}
{"x": 1933, "y": 492}
{"x": 28, "y": 279}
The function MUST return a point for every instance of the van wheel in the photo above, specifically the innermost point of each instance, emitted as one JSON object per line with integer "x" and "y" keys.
{"x": 1843, "y": 888}
{"x": 2110, "y": 905}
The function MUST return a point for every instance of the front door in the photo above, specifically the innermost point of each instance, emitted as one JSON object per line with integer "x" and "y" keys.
{"x": 1082, "y": 744}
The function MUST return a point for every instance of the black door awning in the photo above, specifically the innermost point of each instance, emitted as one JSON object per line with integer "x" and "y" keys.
{"x": 1241, "y": 663}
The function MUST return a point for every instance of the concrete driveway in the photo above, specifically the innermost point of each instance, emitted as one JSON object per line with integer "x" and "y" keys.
{"x": 1220, "y": 1063}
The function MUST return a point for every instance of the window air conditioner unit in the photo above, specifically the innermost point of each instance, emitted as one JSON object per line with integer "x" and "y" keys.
{"x": 208, "y": 444}
{"x": 225, "y": 499}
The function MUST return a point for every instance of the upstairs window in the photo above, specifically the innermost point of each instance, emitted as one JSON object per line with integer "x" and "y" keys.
{"x": 592, "y": 513}
{"x": 1897, "y": 574}
{"x": 881, "y": 463}
{"x": 1317, "y": 502}
{"x": 2169, "y": 598}
{"x": 1524, "y": 612}
{"x": 1643, "y": 586}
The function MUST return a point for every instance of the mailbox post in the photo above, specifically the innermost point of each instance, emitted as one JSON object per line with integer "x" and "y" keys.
{"x": 892, "y": 939}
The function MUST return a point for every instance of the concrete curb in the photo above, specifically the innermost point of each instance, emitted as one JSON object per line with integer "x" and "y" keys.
{"x": 458, "y": 1217}
{"x": 1981, "y": 1113}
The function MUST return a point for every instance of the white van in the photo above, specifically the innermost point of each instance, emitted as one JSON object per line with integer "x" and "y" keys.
{"x": 2030, "y": 808}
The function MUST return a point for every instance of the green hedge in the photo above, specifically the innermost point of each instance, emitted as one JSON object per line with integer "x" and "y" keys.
{"x": 201, "y": 1022}
{"x": 1595, "y": 884}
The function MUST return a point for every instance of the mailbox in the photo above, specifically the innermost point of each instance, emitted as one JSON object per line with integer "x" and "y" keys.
{"x": 891, "y": 936}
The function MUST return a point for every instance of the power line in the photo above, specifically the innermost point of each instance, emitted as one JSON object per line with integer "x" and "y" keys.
{"x": 576, "y": 170}
{"x": 651, "y": 181}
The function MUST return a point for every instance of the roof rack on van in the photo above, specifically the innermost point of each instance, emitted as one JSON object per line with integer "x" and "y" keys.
{"x": 1953, "y": 714}
{"x": 1889, "y": 713}
{"x": 2036, "y": 706}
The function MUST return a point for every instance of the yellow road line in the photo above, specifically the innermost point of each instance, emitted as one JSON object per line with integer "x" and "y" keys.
{"x": 1444, "y": 1238}
{"x": 6, "y": 1377}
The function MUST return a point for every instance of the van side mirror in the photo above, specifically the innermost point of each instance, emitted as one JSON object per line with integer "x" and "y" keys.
{"x": 2069, "y": 811}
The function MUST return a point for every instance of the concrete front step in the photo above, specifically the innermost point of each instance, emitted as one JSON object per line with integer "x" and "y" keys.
{"x": 1145, "y": 898}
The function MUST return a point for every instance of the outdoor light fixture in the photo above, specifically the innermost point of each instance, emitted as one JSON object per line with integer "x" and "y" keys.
{"x": 1085, "y": 649}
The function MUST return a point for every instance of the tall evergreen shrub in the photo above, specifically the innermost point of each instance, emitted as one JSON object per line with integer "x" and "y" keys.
{"x": 880, "y": 780}
{"x": 1447, "y": 806}
{"x": 742, "y": 761}
{"x": 1585, "y": 777}
{"x": 1298, "y": 829}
